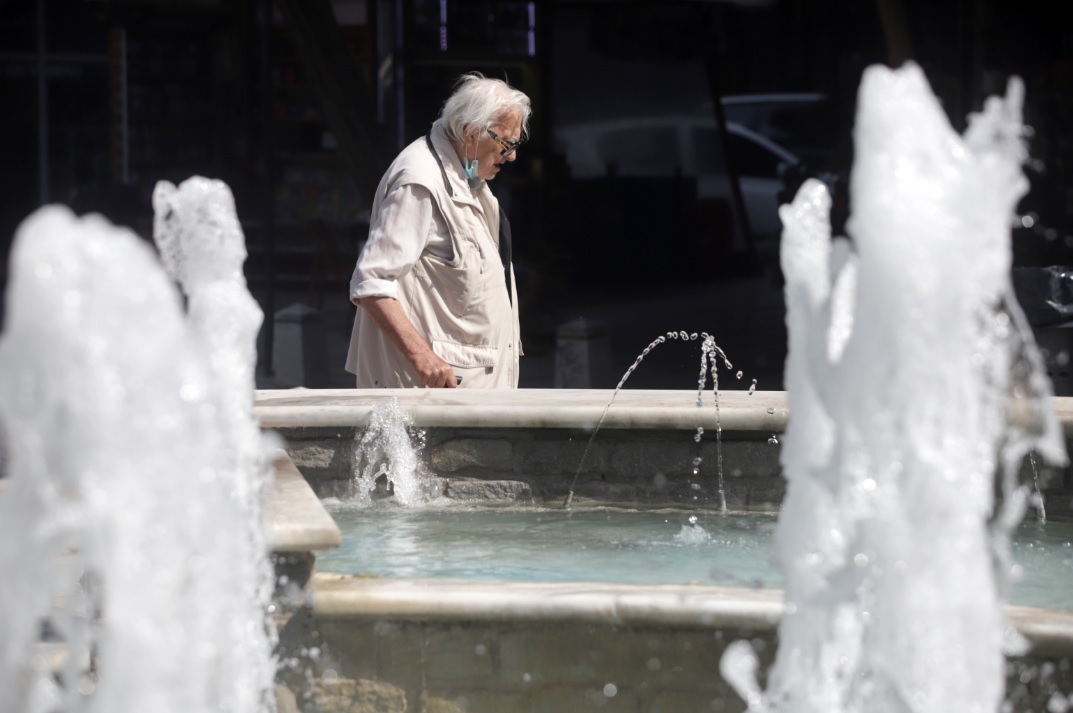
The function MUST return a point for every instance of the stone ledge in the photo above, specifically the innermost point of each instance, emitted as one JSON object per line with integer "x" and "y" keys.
{"x": 1050, "y": 632}
{"x": 526, "y": 408}
{"x": 765, "y": 411}
{"x": 340, "y": 597}
{"x": 294, "y": 518}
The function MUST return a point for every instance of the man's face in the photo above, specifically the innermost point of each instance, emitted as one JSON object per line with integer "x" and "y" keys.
{"x": 507, "y": 130}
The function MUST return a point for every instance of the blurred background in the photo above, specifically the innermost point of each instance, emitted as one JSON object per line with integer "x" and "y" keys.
{"x": 664, "y": 136}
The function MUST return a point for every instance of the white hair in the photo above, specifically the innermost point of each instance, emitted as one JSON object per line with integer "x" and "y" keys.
{"x": 478, "y": 102}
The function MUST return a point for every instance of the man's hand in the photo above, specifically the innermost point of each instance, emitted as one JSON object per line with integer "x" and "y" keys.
{"x": 387, "y": 313}
{"x": 434, "y": 372}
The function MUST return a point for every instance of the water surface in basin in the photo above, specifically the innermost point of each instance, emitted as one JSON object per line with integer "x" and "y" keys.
{"x": 620, "y": 545}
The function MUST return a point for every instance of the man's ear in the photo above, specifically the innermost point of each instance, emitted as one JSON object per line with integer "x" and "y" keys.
{"x": 470, "y": 136}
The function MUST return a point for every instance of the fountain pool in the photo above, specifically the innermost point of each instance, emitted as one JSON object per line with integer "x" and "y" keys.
{"x": 621, "y": 544}
{"x": 916, "y": 391}
{"x": 502, "y": 644}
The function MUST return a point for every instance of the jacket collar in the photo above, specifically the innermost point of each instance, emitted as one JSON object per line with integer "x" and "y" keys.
{"x": 457, "y": 183}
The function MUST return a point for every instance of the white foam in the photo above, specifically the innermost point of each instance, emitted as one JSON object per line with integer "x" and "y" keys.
{"x": 126, "y": 519}
{"x": 898, "y": 376}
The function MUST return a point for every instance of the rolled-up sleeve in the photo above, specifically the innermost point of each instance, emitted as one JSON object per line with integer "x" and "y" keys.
{"x": 397, "y": 238}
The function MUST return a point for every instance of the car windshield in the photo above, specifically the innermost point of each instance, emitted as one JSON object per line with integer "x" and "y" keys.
{"x": 802, "y": 125}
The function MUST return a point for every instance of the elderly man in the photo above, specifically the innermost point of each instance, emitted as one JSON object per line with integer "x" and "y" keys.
{"x": 434, "y": 283}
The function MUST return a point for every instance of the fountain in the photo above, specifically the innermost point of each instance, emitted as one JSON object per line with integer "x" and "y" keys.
{"x": 131, "y": 511}
{"x": 912, "y": 382}
{"x": 904, "y": 356}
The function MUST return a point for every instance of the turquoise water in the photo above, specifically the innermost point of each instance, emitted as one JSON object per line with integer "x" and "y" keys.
{"x": 619, "y": 545}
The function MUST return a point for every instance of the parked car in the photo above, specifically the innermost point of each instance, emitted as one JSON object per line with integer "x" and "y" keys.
{"x": 812, "y": 126}
{"x": 768, "y": 171}
{"x": 688, "y": 146}
{"x": 799, "y": 122}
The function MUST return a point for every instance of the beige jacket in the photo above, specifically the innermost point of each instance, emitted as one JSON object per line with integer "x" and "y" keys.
{"x": 461, "y": 306}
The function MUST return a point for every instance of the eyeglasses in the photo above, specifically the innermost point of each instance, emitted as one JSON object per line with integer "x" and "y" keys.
{"x": 508, "y": 146}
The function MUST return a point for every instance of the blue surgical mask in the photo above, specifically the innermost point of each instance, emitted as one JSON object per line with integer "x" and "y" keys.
{"x": 469, "y": 167}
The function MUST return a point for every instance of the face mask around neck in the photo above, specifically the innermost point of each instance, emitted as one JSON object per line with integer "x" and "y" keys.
{"x": 470, "y": 166}
{"x": 470, "y": 169}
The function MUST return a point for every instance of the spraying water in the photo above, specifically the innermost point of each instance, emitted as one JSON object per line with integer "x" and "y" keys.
{"x": 386, "y": 458}
{"x": 709, "y": 362}
{"x": 202, "y": 247}
{"x": 127, "y": 510}
{"x": 899, "y": 377}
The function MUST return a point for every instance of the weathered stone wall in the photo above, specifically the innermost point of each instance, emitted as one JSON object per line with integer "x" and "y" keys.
{"x": 519, "y": 667}
{"x": 654, "y": 466}
{"x": 620, "y": 465}
{"x": 548, "y": 667}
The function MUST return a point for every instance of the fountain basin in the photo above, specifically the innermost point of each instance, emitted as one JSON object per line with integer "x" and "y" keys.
{"x": 530, "y": 443}
{"x": 496, "y": 646}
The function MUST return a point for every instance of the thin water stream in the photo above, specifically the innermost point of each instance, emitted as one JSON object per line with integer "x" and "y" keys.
{"x": 709, "y": 365}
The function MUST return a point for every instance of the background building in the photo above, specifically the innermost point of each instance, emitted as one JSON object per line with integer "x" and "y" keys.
{"x": 639, "y": 179}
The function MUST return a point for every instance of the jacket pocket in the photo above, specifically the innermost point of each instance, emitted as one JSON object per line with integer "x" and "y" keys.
{"x": 453, "y": 286}
{"x": 466, "y": 356}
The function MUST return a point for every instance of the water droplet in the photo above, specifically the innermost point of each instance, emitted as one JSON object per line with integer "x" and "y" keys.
{"x": 610, "y": 690}
{"x": 692, "y": 519}
{"x": 752, "y": 388}
{"x": 773, "y": 439}
{"x": 695, "y": 486}
{"x": 684, "y": 335}
{"x": 693, "y": 336}
{"x": 771, "y": 410}
{"x": 860, "y": 559}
